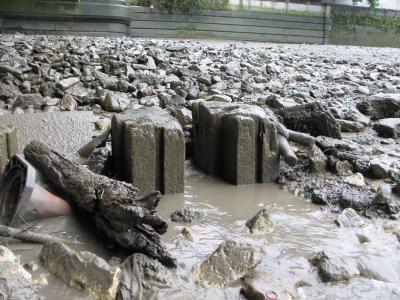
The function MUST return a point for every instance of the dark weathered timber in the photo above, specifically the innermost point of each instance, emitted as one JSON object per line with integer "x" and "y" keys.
{"x": 128, "y": 222}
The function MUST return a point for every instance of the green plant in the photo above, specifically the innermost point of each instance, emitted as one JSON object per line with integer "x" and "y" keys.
{"x": 191, "y": 6}
{"x": 372, "y": 3}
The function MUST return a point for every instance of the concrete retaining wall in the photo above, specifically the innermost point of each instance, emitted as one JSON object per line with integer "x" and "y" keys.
{"x": 94, "y": 17}
{"x": 115, "y": 17}
{"x": 232, "y": 26}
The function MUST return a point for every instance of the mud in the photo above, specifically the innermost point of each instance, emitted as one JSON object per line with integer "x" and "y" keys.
{"x": 301, "y": 228}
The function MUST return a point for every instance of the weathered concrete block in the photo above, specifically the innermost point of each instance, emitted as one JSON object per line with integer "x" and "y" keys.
{"x": 149, "y": 150}
{"x": 8, "y": 144}
{"x": 236, "y": 142}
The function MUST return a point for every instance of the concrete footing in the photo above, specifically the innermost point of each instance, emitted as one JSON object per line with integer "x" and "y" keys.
{"x": 149, "y": 150}
{"x": 8, "y": 144}
{"x": 235, "y": 142}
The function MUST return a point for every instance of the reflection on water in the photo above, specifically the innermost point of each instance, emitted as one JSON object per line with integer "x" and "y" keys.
{"x": 301, "y": 228}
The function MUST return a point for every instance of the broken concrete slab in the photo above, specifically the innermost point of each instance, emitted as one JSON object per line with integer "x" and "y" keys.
{"x": 26, "y": 100}
{"x": 66, "y": 83}
{"x": 311, "y": 118}
{"x": 63, "y": 131}
{"x": 149, "y": 150}
{"x": 236, "y": 142}
{"x": 83, "y": 270}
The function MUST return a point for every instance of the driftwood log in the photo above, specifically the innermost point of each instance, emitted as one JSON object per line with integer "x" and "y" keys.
{"x": 129, "y": 223}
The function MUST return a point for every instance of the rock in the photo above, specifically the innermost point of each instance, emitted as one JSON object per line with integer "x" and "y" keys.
{"x": 383, "y": 194}
{"x": 318, "y": 160}
{"x": 276, "y": 102}
{"x": 15, "y": 281}
{"x": 363, "y": 90}
{"x": 82, "y": 270}
{"x": 24, "y": 101}
{"x": 219, "y": 98}
{"x": 189, "y": 234}
{"x": 311, "y": 118}
{"x": 151, "y": 101}
{"x": 356, "y": 180}
{"x": 261, "y": 223}
{"x": 228, "y": 263}
{"x": 350, "y": 126}
{"x": 384, "y": 198}
{"x": 32, "y": 266}
{"x": 252, "y": 293}
{"x": 66, "y": 83}
{"x": 68, "y": 102}
{"x": 388, "y": 128}
{"x": 184, "y": 116}
{"x": 116, "y": 102}
{"x": 349, "y": 218}
{"x": 343, "y": 168}
{"x": 187, "y": 215}
{"x": 319, "y": 197}
{"x": 332, "y": 268}
{"x": 381, "y": 106}
{"x": 379, "y": 168}
{"x": 148, "y": 149}
{"x": 141, "y": 277}
{"x": 352, "y": 198}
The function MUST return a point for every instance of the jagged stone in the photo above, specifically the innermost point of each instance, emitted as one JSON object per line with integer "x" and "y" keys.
{"x": 349, "y": 218}
{"x": 187, "y": 215}
{"x": 83, "y": 270}
{"x": 261, "y": 223}
{"x": 388, "y": 128}
{"x": 228, "y": 263}
{"x": 318, "y": 160}
{"x": 149, "y": 150}
{"x": 68, "y": 102}
{"x": 66, "y": 83}
{"x": 343, "y": 168}
{"x": 24, "y": 101}
{"x": 311, "y": 118}
{"x": 381, "y": 106}
{"x": 333, "y": 268}
{"x": 116, "y": 102}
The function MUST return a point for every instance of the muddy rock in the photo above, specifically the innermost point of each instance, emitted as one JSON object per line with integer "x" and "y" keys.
{"x": 68, "y": 102}
{"x": 356, "y": 180}
{"x": 311, "y": 118}
{"x": 350, "y": 126}
{"x": 318, "y": 160}
{"x": 228, "y": 263}
{"x": 83, "y": 270}
{"x": 66, "y": 83}
{"x": 388, "y": 128}
{"x": 381, "y": 106}
{"x": 261, "y": 223}
{"x": 114, "y": 102}
{"x": 343, "y": 168}
{"x": 333, "y": 268}
{"x": 355, "y": 200}
{"x": 384, "y": 199}
{"x": 379, "y": 168}
{"x": 319, "y": 197}
{"x": 349, "y": 218}
{"x": 142, "y": 277}
{"x": 15, "y": 281}
{"x": 187, "y": 215}
{"x": 26, "y": 100}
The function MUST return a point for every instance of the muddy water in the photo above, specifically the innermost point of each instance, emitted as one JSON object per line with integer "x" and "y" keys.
{"x": 301, "y": 228}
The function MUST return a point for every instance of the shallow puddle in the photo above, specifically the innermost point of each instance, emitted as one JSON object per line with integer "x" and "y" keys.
{"x": 301, "y": 228}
